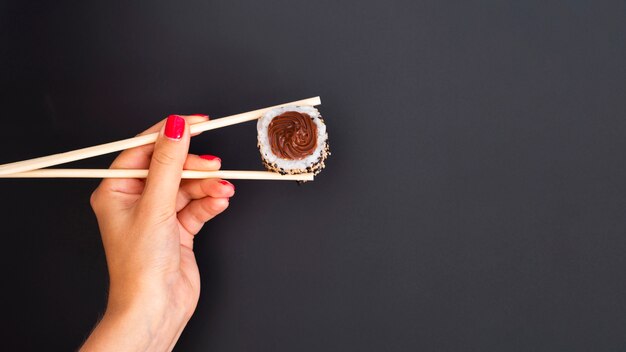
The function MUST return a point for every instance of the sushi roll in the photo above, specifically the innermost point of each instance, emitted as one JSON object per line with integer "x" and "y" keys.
{"x": 293, "y": 140}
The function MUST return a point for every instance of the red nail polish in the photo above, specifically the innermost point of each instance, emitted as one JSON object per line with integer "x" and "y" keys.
{"x": 210, "y": 157}
{"x": 226, "y": 183}
{"x": 174, "y": 127}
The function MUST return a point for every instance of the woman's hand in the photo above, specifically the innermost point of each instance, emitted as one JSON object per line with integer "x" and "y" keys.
{"x": 147, "y": 231}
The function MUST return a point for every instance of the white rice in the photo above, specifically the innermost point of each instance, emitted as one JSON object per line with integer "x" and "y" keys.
{"x": 288, "y": 164}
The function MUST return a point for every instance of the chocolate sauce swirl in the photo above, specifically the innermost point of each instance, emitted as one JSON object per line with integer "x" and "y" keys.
{"x": 292, "y": 135}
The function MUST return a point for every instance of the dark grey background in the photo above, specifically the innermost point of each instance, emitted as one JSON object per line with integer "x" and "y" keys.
{"x": 475, "y": 199}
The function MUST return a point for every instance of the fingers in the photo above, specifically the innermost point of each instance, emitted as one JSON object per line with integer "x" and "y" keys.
{"x": 202, "y": 162}
{"x": 208, "y": 188}
{"x": 199, "y": 211}
{"x": 166, "y": 166}
{"x": 139, "y": 158}
{"x": 200, "y": 200}
{"x": 196, "y": 189}
{"x": 195, "y": 162}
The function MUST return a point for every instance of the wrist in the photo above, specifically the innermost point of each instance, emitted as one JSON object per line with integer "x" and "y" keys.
{"x": 149, "y": 328}
{"x": 145, "y": 326}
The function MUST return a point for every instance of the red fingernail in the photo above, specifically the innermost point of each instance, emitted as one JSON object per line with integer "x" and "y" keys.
{"x": 174, "y": 127}
{"x": 226, "y": 183}
{"x": 210, "y": 157}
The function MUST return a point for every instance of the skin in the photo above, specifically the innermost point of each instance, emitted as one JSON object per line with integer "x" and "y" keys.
{"x": 148, "y": 227}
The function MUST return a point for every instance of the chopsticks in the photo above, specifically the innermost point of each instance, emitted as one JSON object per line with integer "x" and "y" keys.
{"x": 139, "y": 173}
{"x": 24, "y": 168}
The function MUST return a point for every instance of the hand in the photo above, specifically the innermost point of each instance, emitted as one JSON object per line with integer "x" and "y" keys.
{"x": 147, "y": 230}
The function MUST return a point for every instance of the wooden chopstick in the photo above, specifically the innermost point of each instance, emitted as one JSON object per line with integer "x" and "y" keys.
{"x": 138, "y": 173}
{"x": 79, "y": 154}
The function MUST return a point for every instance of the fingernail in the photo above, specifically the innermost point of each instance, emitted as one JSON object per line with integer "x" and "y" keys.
{"x": 226, "y": 183}
{"x": 210, "y": 157}
{"x": 174, "y": 127}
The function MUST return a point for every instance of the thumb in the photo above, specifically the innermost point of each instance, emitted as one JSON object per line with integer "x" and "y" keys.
{"x": 166, "y": 166}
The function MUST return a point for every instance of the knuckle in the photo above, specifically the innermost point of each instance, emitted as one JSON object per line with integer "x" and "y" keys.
{"x": 93, "y": 199}
{"x": 163, "y": 158}
{"x": 209, "y": 209}
{"x": 201, "y": 216}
